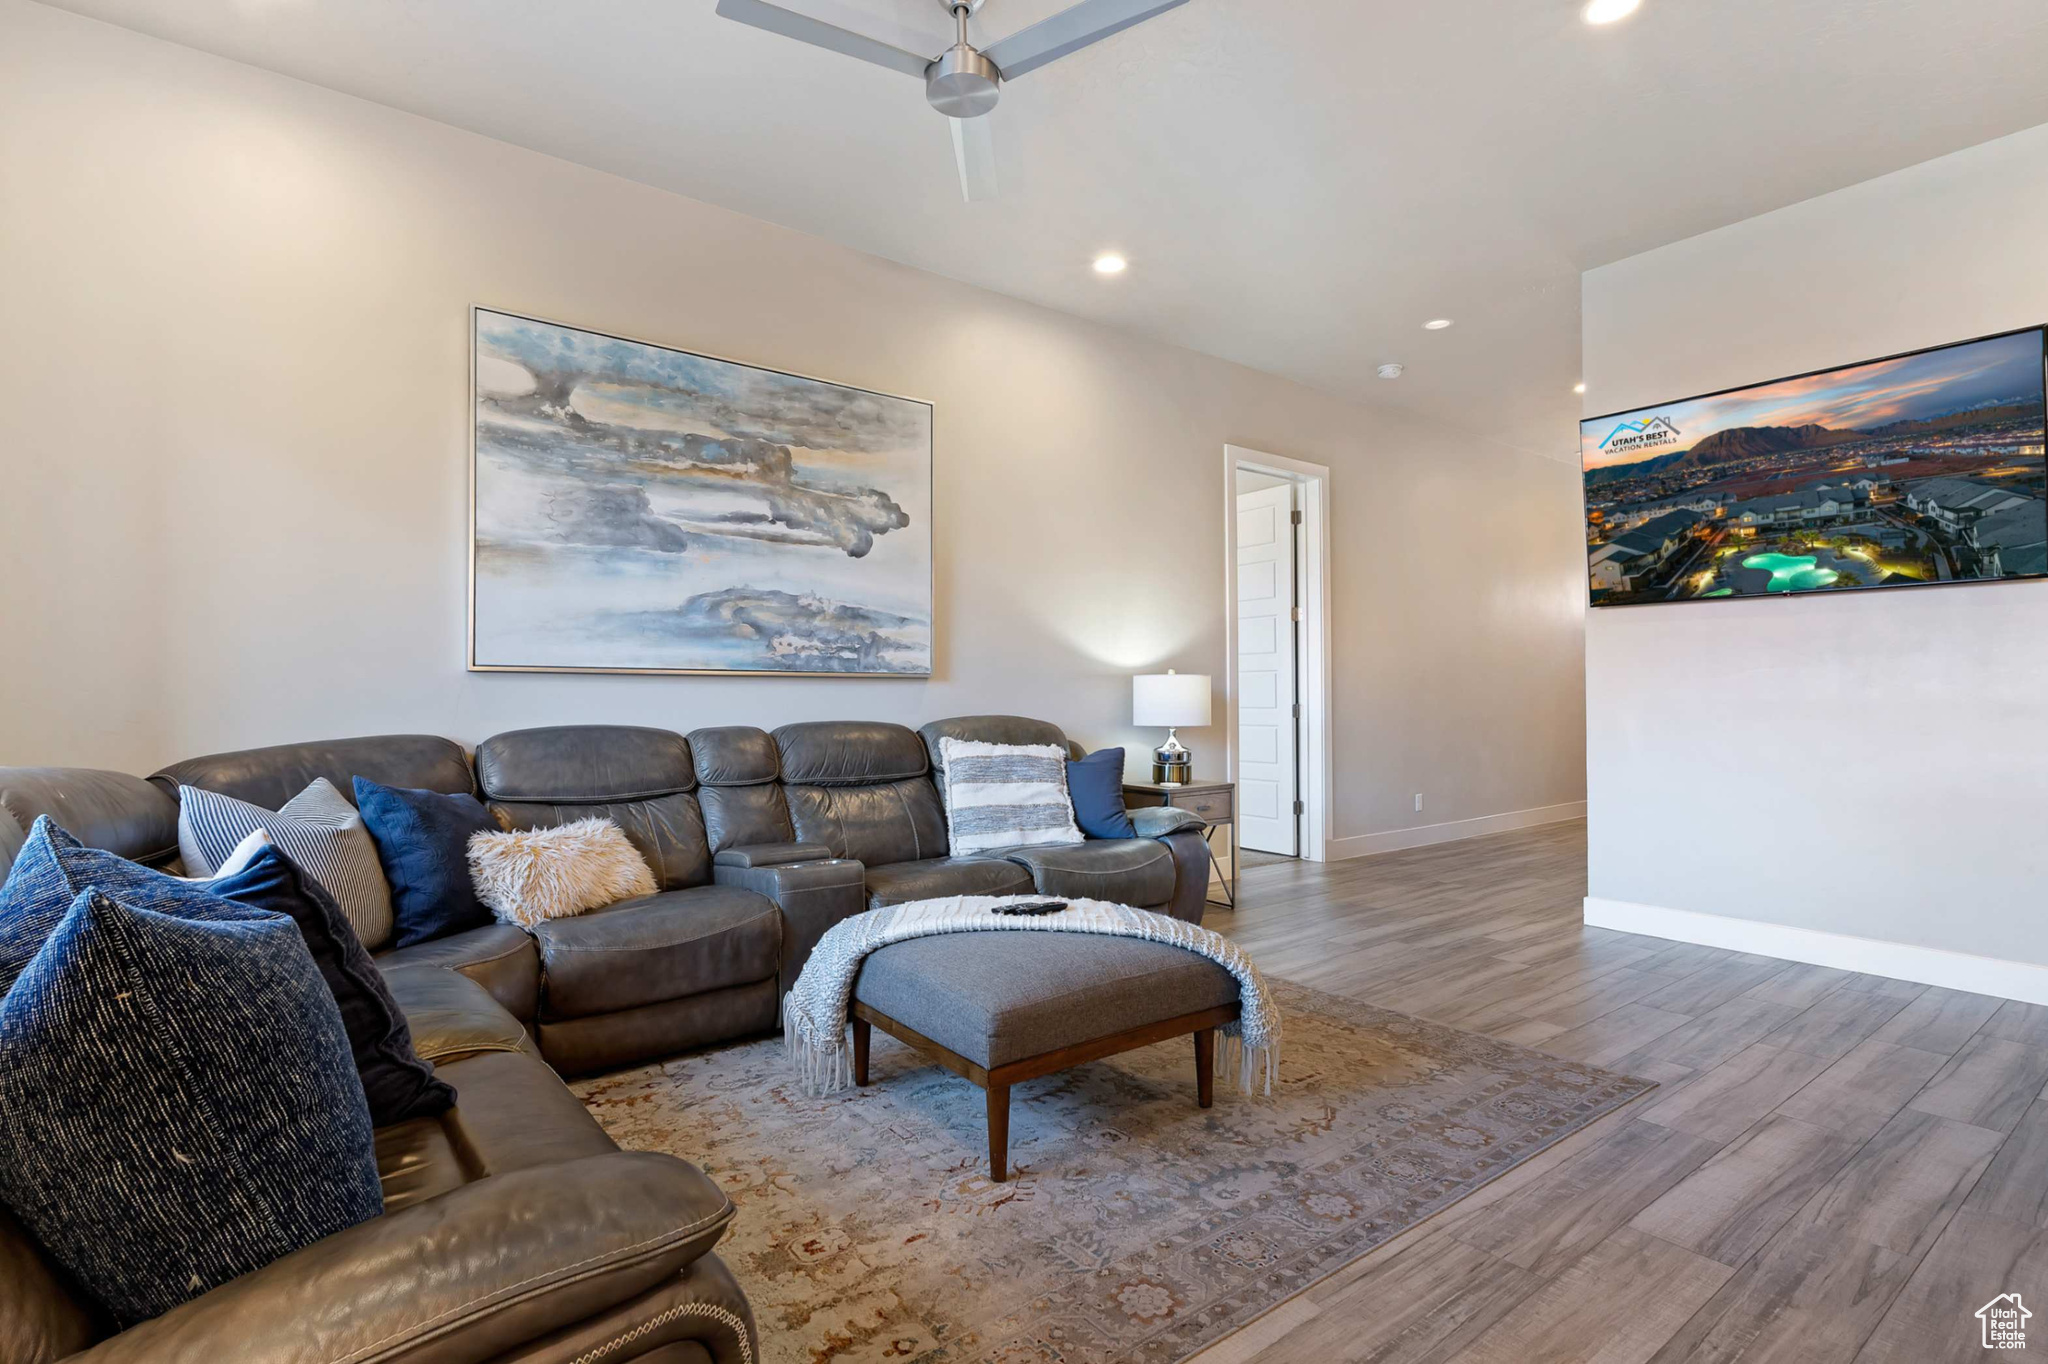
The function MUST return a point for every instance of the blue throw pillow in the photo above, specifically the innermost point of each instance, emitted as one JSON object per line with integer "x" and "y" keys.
{"x": 180, "y": 1107}
{"x": 397, "y": 1083}
{"x": 1096, "y": 785}
{"x": 53, "y": 867}
{"x": 422, "y": 839}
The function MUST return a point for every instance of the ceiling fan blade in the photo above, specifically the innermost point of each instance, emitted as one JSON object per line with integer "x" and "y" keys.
{"x": 1070, "y": 30}
{"x": 974, "y": 154}
{"x": 805, "y": 29}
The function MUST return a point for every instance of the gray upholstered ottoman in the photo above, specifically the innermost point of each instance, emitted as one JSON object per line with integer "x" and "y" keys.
{"x": 1001, "y": 1008}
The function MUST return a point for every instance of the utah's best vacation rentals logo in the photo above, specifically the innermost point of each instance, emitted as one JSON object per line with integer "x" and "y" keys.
{"x": 1647, "y": 434}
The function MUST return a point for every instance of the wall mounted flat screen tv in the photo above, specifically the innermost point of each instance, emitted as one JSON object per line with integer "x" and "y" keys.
{"x": 1911, "y": 471}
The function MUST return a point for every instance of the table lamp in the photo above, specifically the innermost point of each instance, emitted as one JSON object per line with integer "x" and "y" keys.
{"x": 1171, "y": 699}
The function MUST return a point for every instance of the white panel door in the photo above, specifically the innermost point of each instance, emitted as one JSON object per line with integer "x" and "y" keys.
{"x": 1265, "y": 671}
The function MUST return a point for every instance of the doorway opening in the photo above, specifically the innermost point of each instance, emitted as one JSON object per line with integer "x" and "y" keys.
{"x": 1277, "y": 605}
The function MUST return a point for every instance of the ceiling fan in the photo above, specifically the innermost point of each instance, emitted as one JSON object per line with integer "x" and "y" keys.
{"x": 963, "y": 82}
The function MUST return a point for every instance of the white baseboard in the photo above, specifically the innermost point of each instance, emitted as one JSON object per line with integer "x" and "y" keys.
{"x": 1393, "y": 840}
{"x": 1902, "y": 961}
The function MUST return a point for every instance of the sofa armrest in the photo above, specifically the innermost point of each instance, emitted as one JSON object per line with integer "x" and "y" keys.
{"x": 1158, "y": 821}
{"x": 700, "y": 1309}
{"x": 1190, "y": 848}
{"x": 458, "y": 1279}
{"x": 812, "y": 896}
{"x": 771, "y": 854}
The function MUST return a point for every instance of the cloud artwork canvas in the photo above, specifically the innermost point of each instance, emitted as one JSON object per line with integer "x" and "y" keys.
{"x": 645, "y": 509}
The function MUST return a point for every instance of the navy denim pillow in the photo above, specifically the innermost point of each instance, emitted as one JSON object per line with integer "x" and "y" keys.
{"x": 50, "y": 870}
{"x": 180, "y": 1106}
{"x": 398, "y": 1084}
{"x": 422, "y": 839}
{"x": 1096, "y": 786}
{"x": 54, "y": 867}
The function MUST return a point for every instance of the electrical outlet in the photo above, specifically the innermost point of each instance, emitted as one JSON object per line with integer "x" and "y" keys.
{"x": 1418, "y": 802}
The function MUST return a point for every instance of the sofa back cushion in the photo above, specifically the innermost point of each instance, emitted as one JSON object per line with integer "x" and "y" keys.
{"x": 739, "y": 787}
{"x": 642, "y": 780}
{"x": 12, "y": 836}
{"x": 862, "y": 789}
{"x": 989, "y": 729}
{"x": 124, "y": 815}
{"x": 271, "y": 776}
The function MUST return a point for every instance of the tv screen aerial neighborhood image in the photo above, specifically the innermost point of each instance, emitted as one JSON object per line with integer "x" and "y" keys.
{"x": 1921, "y": 469}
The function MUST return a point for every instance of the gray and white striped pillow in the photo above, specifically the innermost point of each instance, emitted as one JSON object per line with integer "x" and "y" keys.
{"x": 1005, "y": 795}
{"x": 317, "y": 828}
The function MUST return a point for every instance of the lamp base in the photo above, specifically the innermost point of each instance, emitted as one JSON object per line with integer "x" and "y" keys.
{"x": 1172, "y": 766}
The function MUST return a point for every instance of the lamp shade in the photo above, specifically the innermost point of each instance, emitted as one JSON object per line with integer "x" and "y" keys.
{"x": 1170, "y": 699}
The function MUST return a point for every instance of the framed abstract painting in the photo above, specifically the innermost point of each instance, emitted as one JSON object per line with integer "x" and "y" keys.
{"x": 635, "y": 508}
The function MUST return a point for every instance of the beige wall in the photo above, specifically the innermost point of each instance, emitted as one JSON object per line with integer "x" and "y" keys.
{"x": 232, "y": 403}
{"x": 1873, "y": 766}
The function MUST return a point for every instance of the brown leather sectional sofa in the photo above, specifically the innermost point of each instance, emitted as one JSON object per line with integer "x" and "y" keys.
{"x": 514, "y": 1229}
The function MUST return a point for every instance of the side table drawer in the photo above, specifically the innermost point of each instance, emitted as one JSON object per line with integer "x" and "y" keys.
{"x": 1214, "y": 806}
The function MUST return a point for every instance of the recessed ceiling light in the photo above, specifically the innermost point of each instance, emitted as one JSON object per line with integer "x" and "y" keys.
{"x": 1607, "y": 11}
{"x": 1436, "y": 324}
{"x": 1110, "y": 263}
{"x": 1578, "y": 388}
{"x": 1390, "y": 371}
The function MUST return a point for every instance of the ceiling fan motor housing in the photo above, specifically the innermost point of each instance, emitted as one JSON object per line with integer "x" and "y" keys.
{"x": 962, "y": 83}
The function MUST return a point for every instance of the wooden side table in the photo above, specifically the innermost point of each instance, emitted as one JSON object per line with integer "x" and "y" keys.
{"x": 1215, "y": 802}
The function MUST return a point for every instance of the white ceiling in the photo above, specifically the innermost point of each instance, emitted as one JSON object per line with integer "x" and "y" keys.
{"x": 1298, "y": 186}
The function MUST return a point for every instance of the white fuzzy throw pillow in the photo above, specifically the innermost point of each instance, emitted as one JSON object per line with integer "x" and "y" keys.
{"x": 530, "y": 875}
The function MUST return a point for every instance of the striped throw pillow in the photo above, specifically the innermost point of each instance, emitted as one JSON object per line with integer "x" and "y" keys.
{"x": 1005, "y": 795}
{"x": 317, "y": 828}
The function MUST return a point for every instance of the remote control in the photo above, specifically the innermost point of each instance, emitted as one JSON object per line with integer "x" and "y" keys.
{"x": 1033, "y": 907}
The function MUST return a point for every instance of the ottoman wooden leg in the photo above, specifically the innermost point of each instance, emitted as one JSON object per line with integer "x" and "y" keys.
{"x": 863, "y": 1033}
{"x": 1205, "y": 1066}
{"x": 998, "y": 1132}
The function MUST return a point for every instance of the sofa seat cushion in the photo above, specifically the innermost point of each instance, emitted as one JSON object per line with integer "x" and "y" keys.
{"x": 659, "y": 947}
{"x": 513, "y": 1113}
{"x": 500, "y": 957}
{"x": 1000, "y": 997}
{"x": 417, "y": 1160}
{"x": 451, "y": 1016}
{"x": 929, "y": 878}
{"x": 1124, "y": 871}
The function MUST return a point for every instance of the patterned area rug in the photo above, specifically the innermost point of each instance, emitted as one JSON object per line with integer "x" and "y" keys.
{"x": 1136, "y": 1226}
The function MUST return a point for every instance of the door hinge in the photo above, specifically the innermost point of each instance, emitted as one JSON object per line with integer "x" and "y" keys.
{"x": 1296, "y": 517}
{"x": 1299, "y": 808}
{"x": 1295, "y": 614}
{"x": 1297, "y": 710}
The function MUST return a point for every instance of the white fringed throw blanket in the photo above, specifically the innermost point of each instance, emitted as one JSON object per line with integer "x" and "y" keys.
{"x": 814, "y": 1013}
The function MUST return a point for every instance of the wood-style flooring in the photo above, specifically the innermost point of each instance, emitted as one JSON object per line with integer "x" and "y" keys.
{"x": 1836, "y": 1167}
